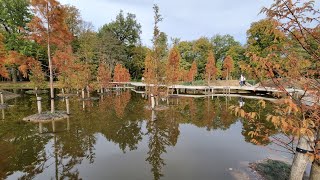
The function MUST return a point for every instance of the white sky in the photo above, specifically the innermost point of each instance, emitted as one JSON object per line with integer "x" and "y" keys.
{"x": 185, "y": 19}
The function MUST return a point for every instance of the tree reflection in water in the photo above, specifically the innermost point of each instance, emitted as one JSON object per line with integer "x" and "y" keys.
{"x": 120, "y": 119}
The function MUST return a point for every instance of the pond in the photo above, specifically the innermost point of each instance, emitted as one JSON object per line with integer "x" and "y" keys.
{"x": 116, "y": 137}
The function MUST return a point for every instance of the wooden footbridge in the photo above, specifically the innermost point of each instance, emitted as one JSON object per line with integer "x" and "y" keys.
{"x": 218, "y": 89}
{"x": 212, "y": 90}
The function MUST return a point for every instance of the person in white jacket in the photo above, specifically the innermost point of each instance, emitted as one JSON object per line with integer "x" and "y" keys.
{"x": 242, "y": 80}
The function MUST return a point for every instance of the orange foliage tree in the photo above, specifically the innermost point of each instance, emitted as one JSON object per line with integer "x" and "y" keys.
{"x": 294, "y": 63}
{"x": 49, "y": 29}
{"x": 121, "y": 74}
{"x": 121, "y": 102}
{"x": 173, "y": 66}
{"x": 192, "y": 72}
{"x": 80, "y": 75}
{"x": 104, "y": 75}
{"x": 153, "y": 64}
{"x": 12, "y": 58}
{"x": 3, "y": 69}
{"x": 36, "y": 75}
{"x": 149, "y": 70}
{"x": 63, "y": 61}
{"x": 228, "y": 67}
{"x": 211, "y": 69}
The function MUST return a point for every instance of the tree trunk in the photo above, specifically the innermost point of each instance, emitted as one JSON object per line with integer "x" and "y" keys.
{"x": 50, "y": 66}
{"x": 14, "y": 74}
{"x": 315, "y": 168}
{"x": 300, "y": 160}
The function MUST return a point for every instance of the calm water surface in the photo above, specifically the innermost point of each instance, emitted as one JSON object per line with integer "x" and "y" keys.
{"x": 116, "y": 137}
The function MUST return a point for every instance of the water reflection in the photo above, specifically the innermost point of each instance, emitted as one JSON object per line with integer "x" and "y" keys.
{"x": 96, "y": 131}
{"x": 163, "y": 131}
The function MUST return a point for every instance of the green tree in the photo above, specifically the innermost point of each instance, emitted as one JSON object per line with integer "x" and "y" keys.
{"x": 137, "y": 63}
{"x": 263, "y": 36}
{"x": 237, "y": 53}
{"x": 126, "y": 29}
{"x": 73, "y": 19}
{"x": 14, "y": 17}
{"x": 201, "y": 48}
{"x": 87, "y": 44}
{"x": 222, "y": 44}
{"x": 187, "y": 53}
{"x": 110, "y": 50}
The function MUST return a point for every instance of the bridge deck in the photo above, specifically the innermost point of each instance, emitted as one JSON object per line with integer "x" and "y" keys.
{"x": 243, "y": 88}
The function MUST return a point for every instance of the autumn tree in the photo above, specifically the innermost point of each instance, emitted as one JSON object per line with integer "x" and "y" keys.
{"x": 149, "y": 70}
{"x": 173, "y": 66}
{"x": 192, "y": 72}
{"x": 211, "y": 69}
{"x": 296, "y": 61}
{"x": 121, "y": 74}
{"x": 152, "y": 73}
{"x": 104, "y": 75}
{"x": 120, "y": 103}
{"x": 3, "y": 69}
{"x": 37, "y": 77}
{"x": 8, "y": 59}
{"x": 81, "y": 75}
{"x": 14, "y": 16}
{"x": 63, "y": 60}
{"x": 228, "y": 67}
{"x": 264, "y": 38}
{"x": 49, "y": 29}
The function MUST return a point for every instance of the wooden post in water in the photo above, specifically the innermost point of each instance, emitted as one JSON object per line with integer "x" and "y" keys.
{"x": 211, "y": 93}
{"x": 153, "y": 115}
{"x": 39, "y": 105}
{"x": 2, "y": 99}
{"x": 88, "y": 91}
{"x": 40, "y": 128}
{"x": 152, "y": 102}
{"x": 68, "y": 124}
{"x": 82, "y": 93}
{"x": 68, "y": 105}
{"x": 2, "y": 114}
{"x": 53, "y": 126}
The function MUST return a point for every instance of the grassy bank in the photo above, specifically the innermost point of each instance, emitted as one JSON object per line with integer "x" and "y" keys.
{"x": 20, "y": 85}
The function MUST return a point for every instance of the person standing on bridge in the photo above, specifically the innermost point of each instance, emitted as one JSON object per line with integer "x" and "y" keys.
{"x": 242, "y": 80}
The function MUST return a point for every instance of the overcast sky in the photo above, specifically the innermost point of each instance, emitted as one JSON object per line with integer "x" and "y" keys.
{"x": 185, "y": 19}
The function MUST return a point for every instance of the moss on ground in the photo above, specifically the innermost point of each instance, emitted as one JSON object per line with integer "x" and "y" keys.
{"x": 273, "y": 169}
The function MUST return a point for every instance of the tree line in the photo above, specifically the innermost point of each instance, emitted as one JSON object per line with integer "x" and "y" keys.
{"x": 42, "y": 38}
{"x": 32, "y": 33}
